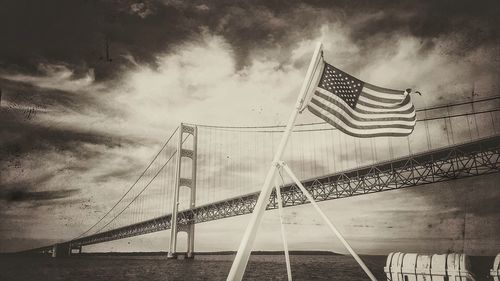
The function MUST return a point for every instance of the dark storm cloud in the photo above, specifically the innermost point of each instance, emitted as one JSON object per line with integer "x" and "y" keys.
{"x": 28, "y": 96}
{"x": 75, "y": 33}
{"x": 23, "y": 140}
{"x": 425, "y": 19}
{"x": 21, "y": 132}
{"x": 21, "y": 137}
{"x": 26, "y": 191}
{"x": 22, "y": 195}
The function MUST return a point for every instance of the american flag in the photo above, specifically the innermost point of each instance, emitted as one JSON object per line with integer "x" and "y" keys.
{"x": 361, "y": 109}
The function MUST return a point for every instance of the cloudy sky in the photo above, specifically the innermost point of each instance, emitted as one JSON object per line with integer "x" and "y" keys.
{"x": 91, "y": 89}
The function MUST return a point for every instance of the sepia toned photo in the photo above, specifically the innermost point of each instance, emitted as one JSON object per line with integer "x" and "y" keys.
{"x": 249, "y": 140}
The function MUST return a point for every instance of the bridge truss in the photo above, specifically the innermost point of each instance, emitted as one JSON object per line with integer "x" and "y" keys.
{"x": 461, "y": 161}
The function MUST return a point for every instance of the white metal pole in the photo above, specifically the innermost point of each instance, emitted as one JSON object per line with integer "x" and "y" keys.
{"x": 328, "y": 222}
{"x": 240, "y": 261}
{"x": 282, "y": 225}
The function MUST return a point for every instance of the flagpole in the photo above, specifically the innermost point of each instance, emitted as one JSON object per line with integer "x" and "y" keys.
{"x": 277, "y": 187}
{"x": 240, "y": 261}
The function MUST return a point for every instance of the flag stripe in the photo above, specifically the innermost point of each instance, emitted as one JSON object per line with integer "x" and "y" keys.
{"x": 382, "y": 90}
{"x": 369, "y": 105}
{"x": 380, "y": 116}
{"x": 367, "y": 110}
{"x": 361, "y": 124}
{"x": 406, "y": 106}
{"x": 370, "y": 97}
{"x": 363, "y": 98}
{"x": 386, "y": 132}
{"x": 390, "y": 97}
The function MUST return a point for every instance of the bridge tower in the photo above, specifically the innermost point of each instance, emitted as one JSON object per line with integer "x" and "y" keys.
{"x": 186, "y": 225}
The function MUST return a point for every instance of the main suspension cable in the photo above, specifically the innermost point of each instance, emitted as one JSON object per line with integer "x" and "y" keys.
{"x": 322, "y": 123}
{"x": 143, "y": 189}
{"x": 132, "y": 186}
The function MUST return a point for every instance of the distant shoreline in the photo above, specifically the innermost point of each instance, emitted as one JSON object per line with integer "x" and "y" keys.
{"x": 220, "y": 253}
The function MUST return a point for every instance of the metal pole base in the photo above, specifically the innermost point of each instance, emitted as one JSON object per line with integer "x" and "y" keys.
{"x": 189, "y": 256}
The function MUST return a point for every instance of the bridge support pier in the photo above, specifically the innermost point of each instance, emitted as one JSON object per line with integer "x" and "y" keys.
{"x": 61, "y": 250}
{"x": 185, "y": 224}
{"x": 190, "y": 242}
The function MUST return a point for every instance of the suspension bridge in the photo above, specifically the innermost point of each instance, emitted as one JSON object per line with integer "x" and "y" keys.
{"x": 204, "y": 173}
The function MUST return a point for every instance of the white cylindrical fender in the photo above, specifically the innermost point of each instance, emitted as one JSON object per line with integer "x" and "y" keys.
{"x": 408, "y": 269}
{"x": 423, "y": 268}
{"x": 495, "y": 271}
{"x": 388, "y": 266}
{"x": 418, "y": 267}
{"x": 438, "y": 267}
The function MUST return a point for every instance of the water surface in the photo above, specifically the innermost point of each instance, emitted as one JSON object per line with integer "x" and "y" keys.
{"x": 209, "y": 267}
{"x": 203, "y": 267}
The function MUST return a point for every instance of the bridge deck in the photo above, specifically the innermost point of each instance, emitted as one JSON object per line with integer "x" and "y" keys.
{"x": 460, "y": 161}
